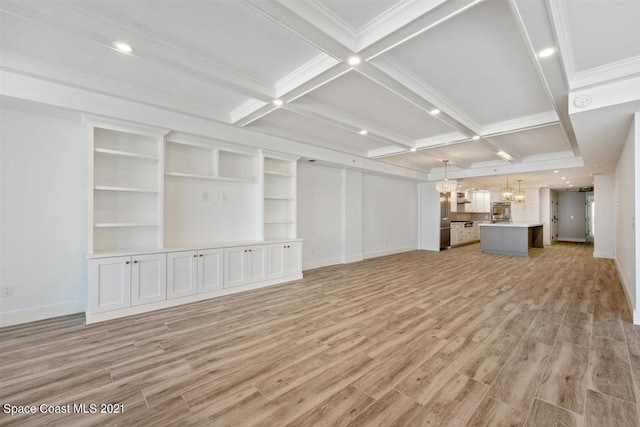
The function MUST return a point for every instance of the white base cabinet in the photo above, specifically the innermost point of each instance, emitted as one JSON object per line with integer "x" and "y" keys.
{"x": 284, "y": 259}
{"x": 132, "y": 284}
{"x": 192, "y": 272}
{"x": 244, "y": 265}
{"x": 121, "y": 282}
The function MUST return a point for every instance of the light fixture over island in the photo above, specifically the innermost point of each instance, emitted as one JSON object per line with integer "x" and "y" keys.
{"x": 510, "y": 239}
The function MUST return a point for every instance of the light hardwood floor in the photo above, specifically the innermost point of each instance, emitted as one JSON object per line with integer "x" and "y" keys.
{"x": 421, "y": 338}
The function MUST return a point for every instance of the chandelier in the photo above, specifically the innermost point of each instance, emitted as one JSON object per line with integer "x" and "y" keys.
{"x": 446, "y": 185}
{"x": 506, "y": 193}
{"x": 518, "y": 196}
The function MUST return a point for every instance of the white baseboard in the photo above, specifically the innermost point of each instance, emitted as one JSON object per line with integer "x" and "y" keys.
{"x": 636, "y": 314}
{"x": 41, "y": 313}
{"x": 608, "y": 255}
{"x": 385, "y": 252}
{"x": 571, "y": 239}
{"x": 310, "y": 265}
{"x": 354, "y": 258}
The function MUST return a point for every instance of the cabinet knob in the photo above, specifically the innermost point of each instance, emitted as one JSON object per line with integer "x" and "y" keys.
{"x": 135, "y": 262}
{"x": 200, "y": 254}
{"x": 128, "y": 262}
{"x": 195, "y": 255}
{"x": 249, "y": 250}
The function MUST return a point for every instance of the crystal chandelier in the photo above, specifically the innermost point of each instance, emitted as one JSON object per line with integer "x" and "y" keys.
{"x": 446, "y": 185}
{"x": 518, "y": 196}
{"x": 506, "y": 193}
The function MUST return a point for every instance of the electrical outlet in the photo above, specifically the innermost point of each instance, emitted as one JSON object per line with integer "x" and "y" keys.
{"x": 7, "y": 291}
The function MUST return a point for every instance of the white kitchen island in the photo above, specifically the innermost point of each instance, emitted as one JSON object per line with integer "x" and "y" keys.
{"x": 510, "y": 239}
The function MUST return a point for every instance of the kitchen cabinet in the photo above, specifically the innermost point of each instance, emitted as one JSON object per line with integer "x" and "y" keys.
{"x": 480, "y": 202}
{"x": 122, "y": 282}
{"x": 285, "y": 259}
{"x": 191, "y": 272}
{"x": 244, "y": 265}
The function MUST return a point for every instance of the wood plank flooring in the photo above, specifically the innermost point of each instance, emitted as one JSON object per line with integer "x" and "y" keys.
{"x": 443, "y": 339}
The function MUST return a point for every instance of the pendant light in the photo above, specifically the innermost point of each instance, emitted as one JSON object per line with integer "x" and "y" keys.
{"x": 506, "y": 193}
{"x": 518, "y": 196}
{"x": 446, "y": 185}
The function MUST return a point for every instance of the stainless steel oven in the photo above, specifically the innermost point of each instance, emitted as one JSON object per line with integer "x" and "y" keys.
{"x": 501, "y": 212}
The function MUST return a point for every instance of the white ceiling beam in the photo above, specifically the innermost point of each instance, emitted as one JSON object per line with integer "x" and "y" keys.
{"x": 157, "y": 50}
{"x": 417, "y": 26}
{"x": 311, "y": 84}
{"x": 284, "y": 16}
{"x": 521, "y": 123}
{"x": 495, "y": 145}
{"x": 413, "y": 94}
{"x": 350, "y": 123}
{"x": 538, "y": 32}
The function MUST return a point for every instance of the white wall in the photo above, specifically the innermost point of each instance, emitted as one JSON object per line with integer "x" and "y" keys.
{"x": 571, "y": 216}
{"x": 187, "y": 217}
{"x": 545, "y": 214}
{"x": 603, "y": 216}
{"x": 353, "y": 233}
{"x": 44, "y": 213}
{"x": 346, "y": 216}
{"x": 529, "y": 211}
{"x": 626, "y": 235}
{"x": 429, "y": 217}
{"x": 390, "y": 219}
{"x": 320, "y": 214}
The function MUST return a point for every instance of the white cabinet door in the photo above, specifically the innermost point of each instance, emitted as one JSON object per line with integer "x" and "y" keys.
{"x": 109, "y": 284}
{"x": 293, "y": 258}
{"x": 235, "y": 267}
{"x": 276, "y": 259}
{"x": 210, "y": 270}
{"x": 182, "y": 270}
{"x": 148, "y": 278}
{"x": 256, "y": 263}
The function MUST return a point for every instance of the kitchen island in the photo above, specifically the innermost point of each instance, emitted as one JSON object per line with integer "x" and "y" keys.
{"x": 510, "y": 239}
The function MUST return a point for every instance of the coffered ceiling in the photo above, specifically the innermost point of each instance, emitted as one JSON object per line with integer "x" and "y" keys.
{"x": 433, "y": 75}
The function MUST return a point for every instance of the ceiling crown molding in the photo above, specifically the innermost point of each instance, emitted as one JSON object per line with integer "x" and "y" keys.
{"x": 21, "y": 64}
{"x": 614, "y": 71}
{"x": 306, "y": 72}
{"x": 521, "y": 123}
{"x": 325, "y": 19}
{"x": 560, "y": 25}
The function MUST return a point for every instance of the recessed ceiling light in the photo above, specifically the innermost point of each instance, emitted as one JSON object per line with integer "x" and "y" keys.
{"x": 544, "y": 53}
{"x": 277, "y": 102}
{"x": 123, "y": 47}
{"x": 413, "y": 149}
{"x": 562, "y": 177}
{"x": 504, "y": 156}
{"x": 475, "y": 137}
{"x": 363, "y": 132}
{"x": 354, "y": 60}
{"x": 567, "y": 182}
{"x": 556, "y": 171}
{"x": 435, "y": 111}
{"x": 570, "y": 185}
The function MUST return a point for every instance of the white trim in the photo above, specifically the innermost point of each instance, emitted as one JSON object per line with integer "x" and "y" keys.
{"x": 616, "y": 70}
{"x": 560, "y": 23}
{"x": 243, "y": 110}
{"x": 311, "y": 69}
{"x": 547, "y": 118}
{"x": 608, "y": 255}
{"x": 354, "y": 258}
{"x": 310, "y": 265}
{"x": 384, "y": 252}
{"x": 116, "y": 314}
{"x": 571, "y": 239}
{"x": 40, "y": 313}
{"x": 635, "y": 313}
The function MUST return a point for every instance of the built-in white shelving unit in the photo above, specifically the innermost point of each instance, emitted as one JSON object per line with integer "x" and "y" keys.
{"x": 177, "y": 218}
{"x": 279, "y": 195}
{"x": 126, "y": 191}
